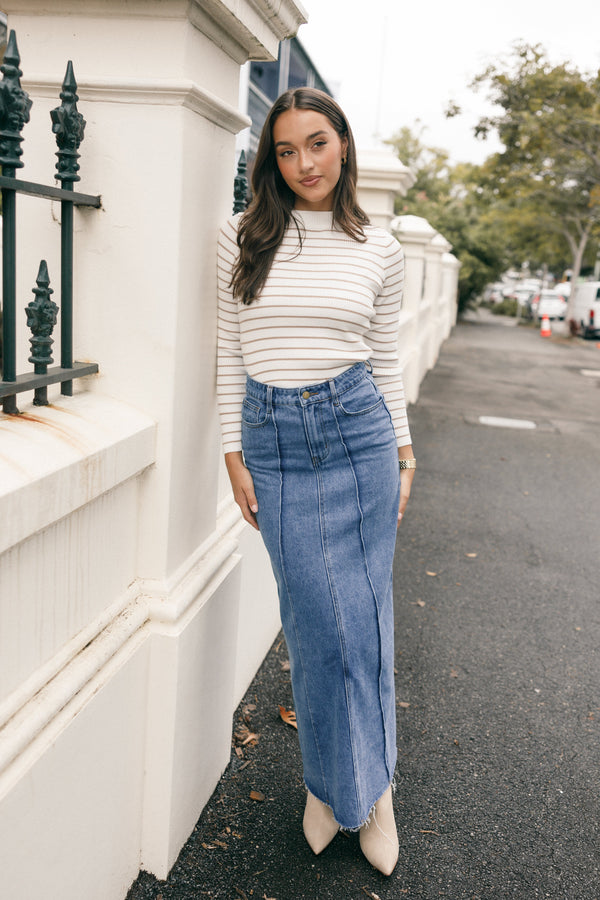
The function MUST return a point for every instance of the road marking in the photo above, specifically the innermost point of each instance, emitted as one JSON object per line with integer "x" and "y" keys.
{"x": 499, "y": 422}
{"x": 591, "y": 373}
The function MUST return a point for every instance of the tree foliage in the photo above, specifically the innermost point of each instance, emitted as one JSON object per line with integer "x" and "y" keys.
{"x": 546, "y": 181}
{"x": 535, "y": 204}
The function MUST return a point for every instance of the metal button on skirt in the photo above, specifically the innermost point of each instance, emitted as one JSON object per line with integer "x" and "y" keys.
{"x": 325, "y": 467}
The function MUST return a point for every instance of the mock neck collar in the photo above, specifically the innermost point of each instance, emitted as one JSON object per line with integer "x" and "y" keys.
{"x": 314, "y": 220}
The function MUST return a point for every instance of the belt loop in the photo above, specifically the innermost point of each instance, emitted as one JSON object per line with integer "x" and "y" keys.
{"x": 369, "y": 366}
{"x": 269, "y": 399}
{"x": 334, "y": 395}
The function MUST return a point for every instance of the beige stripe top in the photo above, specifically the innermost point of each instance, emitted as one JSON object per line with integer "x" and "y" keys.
{"x": 323, "y": 308}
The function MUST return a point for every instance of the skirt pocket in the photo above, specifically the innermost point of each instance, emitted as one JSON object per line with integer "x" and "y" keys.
{"x": 360, "y": 399}
{"x": 254, "y": 412}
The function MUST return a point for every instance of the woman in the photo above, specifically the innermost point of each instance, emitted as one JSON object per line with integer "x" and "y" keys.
{"x": 309, "y": 298}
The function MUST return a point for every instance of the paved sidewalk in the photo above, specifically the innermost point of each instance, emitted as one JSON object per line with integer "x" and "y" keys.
{"x": 498, "y": 684}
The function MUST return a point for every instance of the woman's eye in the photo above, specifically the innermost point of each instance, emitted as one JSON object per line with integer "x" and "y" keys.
{"x": 318, "y": 144}
{"x": 284, "y": 154}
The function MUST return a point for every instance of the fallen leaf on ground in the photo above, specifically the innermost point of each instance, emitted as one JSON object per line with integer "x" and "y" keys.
{"x": 220, "y": 844}
{"x": 288, "y": 716}
{"x": 471, "y": 555}
{"x": 208, "y": 846}
{"x": 257, "y": 795}
{"x": 431, "y": 573}
{"x": 403, "y": 704}
{"x": 285, "y": 665}
{"x": 453, "y": 673}
{"x": 420, "y": 603}
{"x": 244, "y": 736}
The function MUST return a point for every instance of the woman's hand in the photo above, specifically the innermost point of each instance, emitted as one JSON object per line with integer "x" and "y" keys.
{"x": 243, "y": 486}
{"x": 406, "y": 479}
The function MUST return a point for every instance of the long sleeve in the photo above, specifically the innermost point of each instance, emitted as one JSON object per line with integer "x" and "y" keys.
{"x": 231, "y": 373}
{"x": 382, "y": 338}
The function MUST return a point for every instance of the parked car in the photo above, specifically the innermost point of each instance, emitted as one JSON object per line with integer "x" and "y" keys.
{"x": 524, "y": 298}
{"x": 585, "y": 312}
{"x": 493, "y": 293}
{"x": 563, "y": 288}
{"x": 549, "y": 303}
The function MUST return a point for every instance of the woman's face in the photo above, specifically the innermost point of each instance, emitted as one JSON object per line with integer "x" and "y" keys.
{"x": 309, "y": 155}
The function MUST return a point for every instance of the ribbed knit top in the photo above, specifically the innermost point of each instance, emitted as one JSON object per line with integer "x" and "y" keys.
{"x": 325, "y": 306}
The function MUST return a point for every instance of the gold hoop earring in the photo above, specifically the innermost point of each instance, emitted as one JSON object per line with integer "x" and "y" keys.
{"x": 343, "y": 160}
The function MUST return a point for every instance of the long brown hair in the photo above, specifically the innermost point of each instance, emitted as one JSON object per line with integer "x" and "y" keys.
{"x": 263, "y": 225}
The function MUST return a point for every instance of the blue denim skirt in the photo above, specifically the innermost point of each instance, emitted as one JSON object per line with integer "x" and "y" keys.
{"x": 325, "y": 466}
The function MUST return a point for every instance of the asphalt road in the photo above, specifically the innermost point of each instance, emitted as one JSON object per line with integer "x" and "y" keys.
{"x": 497, "y": 628}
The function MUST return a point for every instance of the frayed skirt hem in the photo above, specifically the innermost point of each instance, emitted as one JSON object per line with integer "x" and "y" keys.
{"x": 355, "y": 828}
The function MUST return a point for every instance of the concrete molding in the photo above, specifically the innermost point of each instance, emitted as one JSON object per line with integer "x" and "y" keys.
{"x": 256, "y": 27}
{"x": 60, "y": 700}
{"x": 450, "y": 261}
{"x": 68, "y": 679}
{"x": 244, "y": 29}
{"x": 413, "y": 229}
{"x": 439, "y": 245}
{"x": 380, "y": 168}
{"x": 144, "y": 92}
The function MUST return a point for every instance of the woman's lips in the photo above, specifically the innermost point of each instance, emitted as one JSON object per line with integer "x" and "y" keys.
{"x": 309, "y": 182}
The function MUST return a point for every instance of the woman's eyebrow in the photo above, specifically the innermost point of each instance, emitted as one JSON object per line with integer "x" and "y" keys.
{"x": 310, "y": 137}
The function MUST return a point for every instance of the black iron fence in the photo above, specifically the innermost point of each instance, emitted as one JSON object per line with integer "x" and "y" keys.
{"x": 42, "y": 313}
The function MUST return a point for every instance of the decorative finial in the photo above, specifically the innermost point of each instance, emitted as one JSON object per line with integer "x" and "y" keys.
{"x": 14, "y": 107}
{"x": 240, "y": 186}
{"x": 41, "y": 319}
{"x": 68, "y": 125}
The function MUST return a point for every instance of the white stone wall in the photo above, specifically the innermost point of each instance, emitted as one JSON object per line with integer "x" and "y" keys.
{"x": 430, "y": 297}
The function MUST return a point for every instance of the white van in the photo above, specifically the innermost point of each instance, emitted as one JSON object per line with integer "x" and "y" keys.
{"x": 585, "y": 312}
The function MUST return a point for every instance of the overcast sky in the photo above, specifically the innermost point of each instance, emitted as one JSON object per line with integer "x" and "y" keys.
{"x": 406, "y": 61}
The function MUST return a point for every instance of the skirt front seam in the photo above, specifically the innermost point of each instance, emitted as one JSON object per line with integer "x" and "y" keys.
{"x": 292, "y": 615}
{"x": 374, "y": 595}
{"x": 340, "y": 634}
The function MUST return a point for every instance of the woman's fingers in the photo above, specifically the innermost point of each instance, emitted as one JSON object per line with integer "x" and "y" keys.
{"x": 406, "y": 479}
{"x": 243, "y": 487}
{"x": 246, "y": 499}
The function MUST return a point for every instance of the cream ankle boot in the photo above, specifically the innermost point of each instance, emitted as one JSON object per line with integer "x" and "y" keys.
{"x": 320, "y": 827}
{"x": 378, "y": 836}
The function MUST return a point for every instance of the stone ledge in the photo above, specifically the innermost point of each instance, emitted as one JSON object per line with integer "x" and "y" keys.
{"x": 163, "y": 92}
{"x": 57, "y": 458}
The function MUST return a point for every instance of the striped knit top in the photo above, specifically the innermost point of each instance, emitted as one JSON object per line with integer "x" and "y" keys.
{"x": 325, "y": 306}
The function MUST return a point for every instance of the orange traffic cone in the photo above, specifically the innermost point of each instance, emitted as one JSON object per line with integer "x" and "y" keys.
{"x": 545, "y": 330}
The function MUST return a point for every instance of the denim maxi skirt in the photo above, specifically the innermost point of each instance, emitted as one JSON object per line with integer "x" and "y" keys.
{"x": 325, "y": 466}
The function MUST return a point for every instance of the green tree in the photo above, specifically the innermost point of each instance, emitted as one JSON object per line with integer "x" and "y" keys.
{"x": 548, "y": 174}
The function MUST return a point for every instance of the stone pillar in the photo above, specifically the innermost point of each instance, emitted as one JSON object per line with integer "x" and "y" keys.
{"x": 381, "y": 177}
{"x": 415, "y": 235}
{"x": 450, "y": 271}
{"x": 433, "y": 299}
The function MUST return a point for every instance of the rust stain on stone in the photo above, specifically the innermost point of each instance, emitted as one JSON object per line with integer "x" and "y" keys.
{"x": 60, "y": 432}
